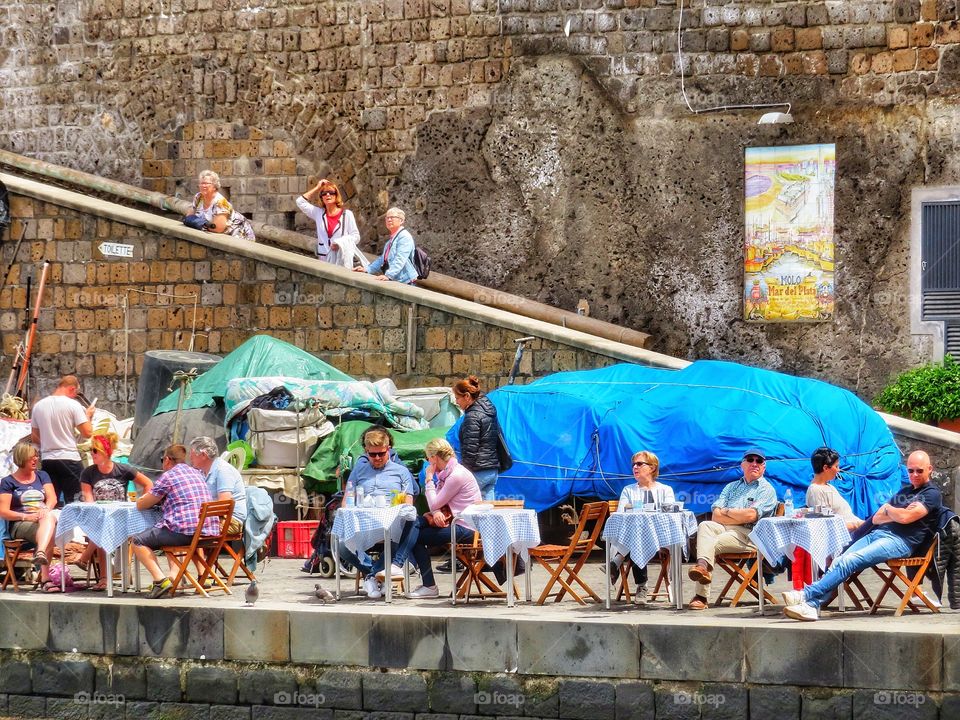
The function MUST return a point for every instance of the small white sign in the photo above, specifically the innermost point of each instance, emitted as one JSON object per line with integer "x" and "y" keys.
{"x": 116, "y": 249}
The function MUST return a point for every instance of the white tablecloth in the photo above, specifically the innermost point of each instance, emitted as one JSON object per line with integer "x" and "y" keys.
{"x": 777, "y": 537}
{"x": 361, "y": 527}
{"x": 642, "y": 534}
{"x": 501, "y": 528}
{"x": 107, "y": 524}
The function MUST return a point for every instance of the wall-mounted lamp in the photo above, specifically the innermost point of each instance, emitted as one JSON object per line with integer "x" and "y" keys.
{"x": 775, "y": 118}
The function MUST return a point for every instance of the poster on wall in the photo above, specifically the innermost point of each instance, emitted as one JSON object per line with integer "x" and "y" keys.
{"x": 788, "y": 246}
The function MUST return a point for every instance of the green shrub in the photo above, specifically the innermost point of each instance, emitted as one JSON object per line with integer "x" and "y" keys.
{"x": 926, "y": 394}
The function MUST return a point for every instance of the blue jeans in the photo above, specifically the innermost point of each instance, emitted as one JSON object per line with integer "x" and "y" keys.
{"x": 423, "y": 536}
{"x": 400, "y": 550}
{"x": 487, "y": 480}
{"x": 360, "y": 560}
{"x": 874, "y": 547}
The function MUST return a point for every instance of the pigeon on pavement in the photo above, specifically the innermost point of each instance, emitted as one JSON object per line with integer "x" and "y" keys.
{"x": 253, "y": 592}
{"x": 324, "y": 595}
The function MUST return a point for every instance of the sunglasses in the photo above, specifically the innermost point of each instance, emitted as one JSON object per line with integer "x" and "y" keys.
{"x": 755, "y": 459}
{"x": 915, "y": 471}
{"x": 640, "y": 463}
{"x": 328, "y": 192}
{"x": 373, "y": 454}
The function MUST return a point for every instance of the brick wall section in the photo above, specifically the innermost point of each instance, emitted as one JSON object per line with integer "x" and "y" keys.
{"x": 81, "y": 327}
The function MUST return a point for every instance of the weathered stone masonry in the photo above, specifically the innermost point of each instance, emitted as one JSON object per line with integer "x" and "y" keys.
{"x": 554, "y": 166}
{"x": 362, "y": 333}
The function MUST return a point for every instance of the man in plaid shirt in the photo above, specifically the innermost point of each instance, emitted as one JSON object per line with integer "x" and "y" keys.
{"x": 182, "y": 489}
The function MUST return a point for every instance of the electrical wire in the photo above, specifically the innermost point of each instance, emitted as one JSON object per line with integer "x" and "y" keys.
{"x": 718, "y": 108}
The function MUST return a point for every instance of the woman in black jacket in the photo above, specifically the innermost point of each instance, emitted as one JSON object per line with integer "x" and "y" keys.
{"x": 478, "y": 434}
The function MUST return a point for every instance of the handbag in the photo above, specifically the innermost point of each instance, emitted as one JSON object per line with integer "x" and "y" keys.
{"x": 447, "y": 517}
{"x": 504, "y": 458}
{"x": 197, "y": 222}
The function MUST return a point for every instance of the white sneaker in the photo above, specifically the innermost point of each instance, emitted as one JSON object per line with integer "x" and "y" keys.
{"x": 395, "y": 572}
{"x": 640, "y": 596}
{"x": 792, "y": 597}
{"x": 424, "y": 592}
{"x": 372, "y": 588}
{"x": 802, "y": 611}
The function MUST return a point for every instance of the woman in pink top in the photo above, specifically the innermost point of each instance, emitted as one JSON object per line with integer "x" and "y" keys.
{"x": 450, "y": 488}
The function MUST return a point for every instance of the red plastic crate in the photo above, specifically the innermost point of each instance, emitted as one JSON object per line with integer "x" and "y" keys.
{"x": 293, "y": 538}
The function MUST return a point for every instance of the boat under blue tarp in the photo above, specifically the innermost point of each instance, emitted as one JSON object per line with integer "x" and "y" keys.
{"x": 573, "y": 433}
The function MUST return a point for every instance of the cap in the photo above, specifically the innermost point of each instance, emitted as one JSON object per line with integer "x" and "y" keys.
{"x": 755, "y": 451}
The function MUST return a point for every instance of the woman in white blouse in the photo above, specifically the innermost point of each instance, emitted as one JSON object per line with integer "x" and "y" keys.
{"x": 646, "y": 469}
{"x": 826, "y": 467}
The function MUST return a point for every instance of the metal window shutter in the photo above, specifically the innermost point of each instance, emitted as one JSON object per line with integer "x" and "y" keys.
{"x": 940, "y": 273}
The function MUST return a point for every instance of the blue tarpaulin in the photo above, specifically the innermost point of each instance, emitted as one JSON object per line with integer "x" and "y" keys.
{"x": 574, "y": 433}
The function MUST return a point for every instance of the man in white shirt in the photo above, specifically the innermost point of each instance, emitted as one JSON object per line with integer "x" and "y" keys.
{"x": 55, "y": 422}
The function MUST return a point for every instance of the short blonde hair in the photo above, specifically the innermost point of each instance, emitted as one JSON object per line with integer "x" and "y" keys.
{"x": 398, "y": 212}
{"x": 648, "y": 457}
{"x": 211, "y": 176}
{"x": 438, "y": 447}
{"x": 23, "y": 451}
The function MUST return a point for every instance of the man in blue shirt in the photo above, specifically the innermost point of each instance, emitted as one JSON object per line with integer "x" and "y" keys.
{"x": 740, "y": 505}
{"x": 224, "y": 481}
{"x": 902, "y": 526}
{"x": 379, "y": 472}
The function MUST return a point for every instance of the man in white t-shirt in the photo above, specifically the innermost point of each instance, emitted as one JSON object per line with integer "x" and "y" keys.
{"x": 55, "y": 422}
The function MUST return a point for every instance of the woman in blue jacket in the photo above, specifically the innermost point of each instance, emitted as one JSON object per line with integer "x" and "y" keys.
{"x": 396, "y": 262}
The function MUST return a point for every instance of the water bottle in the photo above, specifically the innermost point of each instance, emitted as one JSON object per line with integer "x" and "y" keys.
{"x": 359, "y": 496}
{"x": 348, "y": 498}
{"x": 788, "y": 503}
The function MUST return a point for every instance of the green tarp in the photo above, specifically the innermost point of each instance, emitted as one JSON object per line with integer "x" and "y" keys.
{"x": 260, "y": 356}
{"x": 341, "y": 450}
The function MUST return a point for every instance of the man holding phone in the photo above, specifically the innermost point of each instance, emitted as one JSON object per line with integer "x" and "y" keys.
{"x": 55, "y": 422}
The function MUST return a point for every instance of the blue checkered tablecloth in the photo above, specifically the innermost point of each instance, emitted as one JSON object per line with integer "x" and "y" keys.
{"x": 501, "y": 528}
{"x": 777, "y": 537}
{"x": 642, "y": 534}
{"x": 108, "y": 524}
{"x": 359, "y": 528}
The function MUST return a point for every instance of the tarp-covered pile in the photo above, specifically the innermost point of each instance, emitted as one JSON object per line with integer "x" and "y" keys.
{"x": 574, "y": 433}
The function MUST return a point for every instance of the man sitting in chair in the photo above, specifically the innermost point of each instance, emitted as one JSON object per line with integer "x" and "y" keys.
{"x": 182, "y": 490}
{"x": 903, "y": 524}
{"x": 379, "y": 473}
{"x": 740, "y": 505}
{"x": 224, "y": 481}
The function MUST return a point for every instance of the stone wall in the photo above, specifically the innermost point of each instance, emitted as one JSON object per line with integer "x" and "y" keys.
{"x": 540, "y": 146}
{"x": 82, "y": 327}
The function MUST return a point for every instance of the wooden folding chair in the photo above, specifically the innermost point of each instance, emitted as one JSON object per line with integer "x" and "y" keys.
{"x": 742, "y": 567}
{"x": 204, "y": 549}
{"x": 18, "y": 553}
{"x": 238, "y": 562}
{"x": 475, "y": 572}
{"x": 569, "y": 559}
{"x": 894, "y": 571}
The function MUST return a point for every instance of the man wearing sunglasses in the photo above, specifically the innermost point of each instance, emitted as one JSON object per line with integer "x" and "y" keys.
{"x": 740, "y": 505}
{"x": 379, "y": 472}
{"x": 899, "y": 527}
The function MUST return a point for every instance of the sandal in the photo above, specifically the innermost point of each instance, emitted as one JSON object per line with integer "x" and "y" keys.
{"x": 50, "y": 587}
{"x": 99, "y": 587}
{"x": 40, "y": 559}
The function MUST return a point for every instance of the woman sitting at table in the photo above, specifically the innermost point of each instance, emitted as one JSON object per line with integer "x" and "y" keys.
{"x": 646, "y": 468}
{"x": 27, "y": 502}
{"x": 450, "y": 488}
{"x": 106, "y": 480}
{"x": 821, "y": 494}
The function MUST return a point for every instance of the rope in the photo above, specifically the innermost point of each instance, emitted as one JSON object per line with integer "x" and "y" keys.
{"x": 13, "y": 407}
